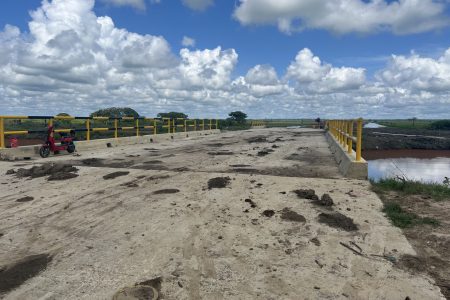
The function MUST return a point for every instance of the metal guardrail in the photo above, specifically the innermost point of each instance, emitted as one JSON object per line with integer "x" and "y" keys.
{"x": 343, "y": 132}
{"x": 139, "y": 125}
{"x": 258, "y": 123}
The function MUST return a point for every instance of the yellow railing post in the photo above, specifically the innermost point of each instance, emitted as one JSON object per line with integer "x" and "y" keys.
{"x": 115, "y": 128}
{"x": 350, "y": 135}
{"x": 203, "y": 124}
{"x": 210, "y": 124}
{"x": 195, "y": 125}
{"x": 174, "y": 126}
{"x": 185, "y": 126}
{"x": 217, "y": 124}
{"x": 2, "y": 133}
{"x": 88, "y": 130}
{"x": 137, "y": 127}
{"x": 359, "y": 139}
{"x": 154, "y": 127}
{"x": 339, "y": 131}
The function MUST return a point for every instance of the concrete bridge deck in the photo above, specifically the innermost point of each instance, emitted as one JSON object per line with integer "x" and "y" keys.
{"x": 253, "y": 239}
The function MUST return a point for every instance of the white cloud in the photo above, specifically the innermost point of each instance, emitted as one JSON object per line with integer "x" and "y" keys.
{"x": 199, "y": 5}
{"x": 418, "y": 73}
{"x": 344, "y": 16}
{"x": 188, "y": 42}
{"x": 207, "y": 68}
{"x": 309, "y": 73}
{"x": 72, "y": 60}
{"x": 138, "y": 4}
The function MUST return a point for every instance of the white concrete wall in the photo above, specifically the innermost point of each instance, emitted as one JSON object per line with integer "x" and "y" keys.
{"x": 347, "y": 163}
{"x": 33, "y": 151}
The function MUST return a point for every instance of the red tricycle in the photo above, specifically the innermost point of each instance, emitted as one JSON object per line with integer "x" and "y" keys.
{"x": 50, "y": 145}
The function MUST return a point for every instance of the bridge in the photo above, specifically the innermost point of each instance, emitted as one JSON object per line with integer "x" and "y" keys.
{"x": 265, "y": 213}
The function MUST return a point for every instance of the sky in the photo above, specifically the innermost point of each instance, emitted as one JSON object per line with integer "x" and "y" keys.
{"x": 206, "y": 58}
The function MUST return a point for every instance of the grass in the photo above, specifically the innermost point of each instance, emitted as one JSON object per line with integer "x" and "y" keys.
{"x": 406, "y": 124}
{"x": 408, "y": 187}
{"x": 403, "y": 219}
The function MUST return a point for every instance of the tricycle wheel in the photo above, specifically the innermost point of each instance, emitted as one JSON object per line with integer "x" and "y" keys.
{"x": 44, "y": 152}
{"x": 71, "y": 148}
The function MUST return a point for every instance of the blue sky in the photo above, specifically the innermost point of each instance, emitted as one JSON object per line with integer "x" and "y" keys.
{"x": 356, "y": 60}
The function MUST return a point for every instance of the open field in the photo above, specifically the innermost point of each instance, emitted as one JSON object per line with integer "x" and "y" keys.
{"x": 240, "y": 215}
{"x": 400, "y": 138}
{"x": 422, "y": 211}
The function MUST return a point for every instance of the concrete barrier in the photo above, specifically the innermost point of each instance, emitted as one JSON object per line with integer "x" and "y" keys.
{"x": 347, "y": 163}
{"x": 33, "y": 151}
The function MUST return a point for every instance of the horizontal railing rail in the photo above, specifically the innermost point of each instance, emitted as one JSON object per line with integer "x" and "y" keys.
{"x": 258, "y": 123}
{"x": 343, "y": 132}
{"x": 139, "y": 125}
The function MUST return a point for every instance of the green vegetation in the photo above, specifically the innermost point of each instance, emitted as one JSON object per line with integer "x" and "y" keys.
{"x": 408, "y": 187}
{"x": 403, "y": 219}
{"x": 289, "y": 122}
{"x": 238, "y": 117}
{"x": 415, "y": 123}
{"x": 115, "y": 112}
{"x": 440, "y": 125}
{"x": 412, "y": 123}
{"x": 173, "y": 115}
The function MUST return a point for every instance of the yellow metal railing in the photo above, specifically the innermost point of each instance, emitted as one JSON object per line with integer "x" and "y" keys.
{"x": 343, "y": 132}
{"x": 258, "y": 123}
{"x": 140, "y": 125}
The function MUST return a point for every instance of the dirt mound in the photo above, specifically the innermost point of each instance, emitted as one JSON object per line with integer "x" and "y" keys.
{"x": 240, "y": 166}
{"x": 215, "y": 145}
{"x": 115, "y": 175}
{"x": 151, "y": 162}
{"x": 289, "y": 215}
{"x": 262, "y": 153}
{"x": 325, "y": 200}
{"x": 166, "y": 191}
{"x": 130, "y": 184}
{"x": 221, "y": 153}
{"x": 138, "y": 292}
{"x": 61, "y": 176}
{"x": 251, "y": 202}
{"x": 157, "y": 177}
{"x": 338, "y": 220}
{"x": 257, "y": 139}
{"x": 54, "y": 170}
{"x": 307, "y": 194}
{"x": 412, "y": 263}
{"x": 25, "y": 199}
{"x": 218, "y": 182}
{"x": 13, "y": 276}
{"x": 268, "y": 213}
{"x": 93, "y": 162}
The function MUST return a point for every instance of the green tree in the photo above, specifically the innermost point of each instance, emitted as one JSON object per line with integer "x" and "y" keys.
{"x": 173, "y": 115}
{"x": 238, "y": 116}
{"x": 63, "y": 115}
{"x": 115, "y": 112}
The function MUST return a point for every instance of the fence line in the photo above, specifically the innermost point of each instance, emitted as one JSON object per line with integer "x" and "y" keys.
{"x": 140, "y": 124}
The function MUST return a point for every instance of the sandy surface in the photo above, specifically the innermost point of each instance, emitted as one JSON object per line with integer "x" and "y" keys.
{"x": 107, "y": 234}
